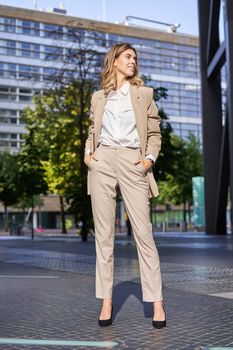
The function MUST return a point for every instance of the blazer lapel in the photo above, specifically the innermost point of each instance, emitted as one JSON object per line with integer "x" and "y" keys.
{"x": 99, "y": 111}
{"x": 138, "y": 111}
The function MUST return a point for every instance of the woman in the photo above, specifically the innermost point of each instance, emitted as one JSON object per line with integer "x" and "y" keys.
{"x": 123, "y": 144}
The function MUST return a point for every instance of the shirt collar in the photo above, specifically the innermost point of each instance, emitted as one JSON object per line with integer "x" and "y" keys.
{"x": 124, "y": 90}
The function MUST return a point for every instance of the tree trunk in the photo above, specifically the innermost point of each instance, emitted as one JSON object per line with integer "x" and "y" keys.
{"x": 63, "y": 218}
{"x": 32, "y": 226}
{"x": 189, "y": 213}
{"x": 76, "y": 220}
{"x": 84, "y": 230}
{"x": 184, "y": 217}
{"x": 129, "y": 228}
{"x": 24, "y": 217}
{"x": 6, "y": 219}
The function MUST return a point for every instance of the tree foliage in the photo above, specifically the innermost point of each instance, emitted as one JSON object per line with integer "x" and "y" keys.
{"x": 176, "y": 187}
{"x": 59, "y": 121}
{"x": 9, "y": 191}
{"x": 164, "y": 163}
{"x": 167, "y": 153}
{"x": 179, "y": 160}
{"x": 30, "y": 172}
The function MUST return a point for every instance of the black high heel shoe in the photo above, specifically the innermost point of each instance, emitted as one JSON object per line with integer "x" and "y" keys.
{"x": 106, "y": 323}
{"x": 159, "y": 324}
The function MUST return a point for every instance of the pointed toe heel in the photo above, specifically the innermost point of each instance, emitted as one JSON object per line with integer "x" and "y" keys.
{"x": 159, "y": 324}
{"x": 106, "y": 323}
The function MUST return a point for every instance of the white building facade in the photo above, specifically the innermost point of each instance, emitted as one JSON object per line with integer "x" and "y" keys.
{"x": 33, "y": 45}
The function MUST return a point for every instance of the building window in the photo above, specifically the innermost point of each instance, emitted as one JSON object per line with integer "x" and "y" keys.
{"x": 11, "y": 70}
{"x": 7, "y": 93}
{"x": 4, "y": 120}
{"x": 8, "y": 47}
{"x": 29, "y": 28}
{"x": 25, "y": 94}
{"x": 26, "y": 48}
{"x": 53, "y": 53}
{"x": 49, "y": 73}
{"x": 53, "y": 31}
{"x": 29, "y": 50}
{"x": 11, "y": 48}
{"x": 8, "y": 25}
{"x": 7, "y": 70}
{"x": 8, "y": 116}
{"x": 29, "y": 72}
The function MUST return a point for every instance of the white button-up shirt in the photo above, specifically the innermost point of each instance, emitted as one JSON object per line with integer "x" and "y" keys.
{"x": 118, "y": 122}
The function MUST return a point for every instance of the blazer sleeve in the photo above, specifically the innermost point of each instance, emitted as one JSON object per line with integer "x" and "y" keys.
{"x": 153, "y": 127}
{"x": 90, "y": 138}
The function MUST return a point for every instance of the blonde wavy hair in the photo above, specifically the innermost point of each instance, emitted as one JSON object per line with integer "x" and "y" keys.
{"x": 108, "y": 77}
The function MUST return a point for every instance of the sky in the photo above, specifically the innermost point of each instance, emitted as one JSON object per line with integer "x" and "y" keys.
{"x": 183, "y": 12}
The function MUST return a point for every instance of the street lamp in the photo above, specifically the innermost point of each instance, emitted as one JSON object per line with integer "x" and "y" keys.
{"x": 170, "y": 27}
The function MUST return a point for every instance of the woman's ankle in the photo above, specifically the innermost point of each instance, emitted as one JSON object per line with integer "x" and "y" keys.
{"x": 107, "y": 301}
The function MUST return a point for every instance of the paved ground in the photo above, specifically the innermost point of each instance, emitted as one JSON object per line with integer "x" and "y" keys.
{"x": 47, "y": 295}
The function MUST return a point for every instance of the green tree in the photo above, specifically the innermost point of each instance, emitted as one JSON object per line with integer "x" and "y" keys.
{"x": 60, "y": 122}
{"x": 55, "y": 181}
{"x": 9, "y": 192}
{"x": 167, "y": 153}
{"x": 179, "y": 160}
{"x": 61, "y": 118}
{"x": 177, "y": 185}
{"x": 31, "y": 172}
{"x": 76, "y": 88}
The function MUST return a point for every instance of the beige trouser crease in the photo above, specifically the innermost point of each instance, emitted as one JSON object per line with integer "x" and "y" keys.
{"x": 112, "y": 167}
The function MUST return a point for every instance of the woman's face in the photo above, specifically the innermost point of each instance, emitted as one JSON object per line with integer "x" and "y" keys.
{"x": 126, "y": 63}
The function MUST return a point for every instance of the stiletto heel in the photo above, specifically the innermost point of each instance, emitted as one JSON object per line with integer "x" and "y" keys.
{"x": 106, "y": 323}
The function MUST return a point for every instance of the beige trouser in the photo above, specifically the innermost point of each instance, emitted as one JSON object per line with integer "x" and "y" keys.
{"x": 110, "y": 167}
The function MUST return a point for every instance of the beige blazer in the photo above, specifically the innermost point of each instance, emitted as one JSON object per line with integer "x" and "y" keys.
{"x": 147, "y": 122}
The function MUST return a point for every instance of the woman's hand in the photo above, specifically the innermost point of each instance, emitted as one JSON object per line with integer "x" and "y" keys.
{"x": 147, "y": 163}
{"x": 87, "y": 159}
